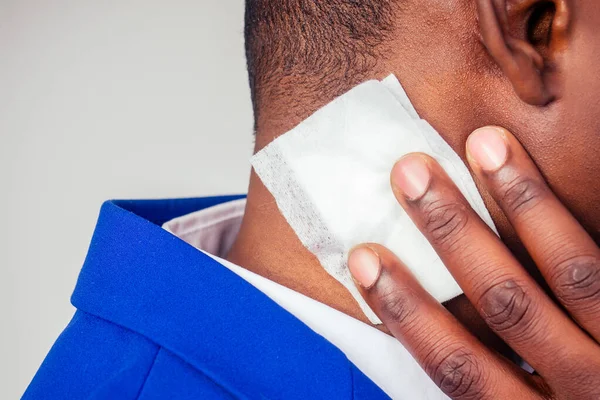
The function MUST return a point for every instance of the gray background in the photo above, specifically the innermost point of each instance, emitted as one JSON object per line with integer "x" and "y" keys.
{"x": 98, "y": 100}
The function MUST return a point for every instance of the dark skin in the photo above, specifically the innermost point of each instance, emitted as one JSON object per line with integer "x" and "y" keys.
{"x": 542, "y": 88}
{"x": 532, "y": 84}
{"x": 561, "y": 341}
{"x": 469, "y": 63}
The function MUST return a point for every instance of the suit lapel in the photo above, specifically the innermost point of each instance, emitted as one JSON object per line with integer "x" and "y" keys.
{"x": 141, "y": 277}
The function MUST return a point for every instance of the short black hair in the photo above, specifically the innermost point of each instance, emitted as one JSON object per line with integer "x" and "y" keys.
{"x": 324, "y": 45}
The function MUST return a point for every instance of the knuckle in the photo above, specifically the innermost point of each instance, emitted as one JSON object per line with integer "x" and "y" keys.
{"x": 506, "y": 307}
{"x": 522, "y": 194}
{"x": 458, "y": 374}
{"x": 444, "y": 223}
{"x": 577, "y": 281}
{"x": 397, "y": 305}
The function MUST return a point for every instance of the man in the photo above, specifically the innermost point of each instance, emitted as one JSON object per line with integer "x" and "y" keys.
{"x": 157, "y": 318}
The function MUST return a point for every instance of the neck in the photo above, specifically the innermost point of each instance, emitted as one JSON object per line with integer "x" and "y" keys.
{"x": 267, "y": 245}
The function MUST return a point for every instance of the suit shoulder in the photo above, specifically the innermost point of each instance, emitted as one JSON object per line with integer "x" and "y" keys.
{"x": 92, "y": 357}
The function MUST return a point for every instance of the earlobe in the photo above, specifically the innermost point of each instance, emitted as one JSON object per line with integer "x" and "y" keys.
{"x": 519, "y": 58}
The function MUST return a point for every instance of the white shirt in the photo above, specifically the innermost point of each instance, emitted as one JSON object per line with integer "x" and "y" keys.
{"x": 379, "y": 356}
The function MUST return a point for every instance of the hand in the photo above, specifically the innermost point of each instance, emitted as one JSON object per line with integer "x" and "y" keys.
{"x": 560, "y": 341}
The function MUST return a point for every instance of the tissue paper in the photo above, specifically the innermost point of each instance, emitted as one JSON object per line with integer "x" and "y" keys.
{"x": 330, "y": 179}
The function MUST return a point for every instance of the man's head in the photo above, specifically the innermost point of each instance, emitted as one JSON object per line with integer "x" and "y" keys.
{"x": 527, "y": 65}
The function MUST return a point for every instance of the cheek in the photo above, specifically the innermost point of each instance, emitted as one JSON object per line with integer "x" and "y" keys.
{"x": 581, "y": 82}
{"x": 579, "y": 124}
{"x": 566, "y": 149}
{"x": 567, "y": 155}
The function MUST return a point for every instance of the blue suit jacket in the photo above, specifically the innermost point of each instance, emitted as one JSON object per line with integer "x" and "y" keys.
{"x": 157, "y": 319}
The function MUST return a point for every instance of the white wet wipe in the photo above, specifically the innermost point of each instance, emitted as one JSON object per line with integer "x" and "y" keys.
{"x": 330, "y": 177}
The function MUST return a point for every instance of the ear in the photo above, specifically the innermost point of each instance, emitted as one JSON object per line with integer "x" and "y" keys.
{"x": 524, "y": 41}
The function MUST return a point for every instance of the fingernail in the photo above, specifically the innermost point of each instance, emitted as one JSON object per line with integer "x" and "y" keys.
{"x": 411, "y": 175}
{"x": 488, "y": 147}
{"x": 365, "y": 266}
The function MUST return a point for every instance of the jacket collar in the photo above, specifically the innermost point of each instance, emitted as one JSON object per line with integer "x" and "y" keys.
{"x": 141, "y": 277}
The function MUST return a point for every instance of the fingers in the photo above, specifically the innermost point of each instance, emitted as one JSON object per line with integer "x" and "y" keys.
{"x": 459, "y": 364}
{"x": 508, "y": 299}
{"x": 564, "y": 253}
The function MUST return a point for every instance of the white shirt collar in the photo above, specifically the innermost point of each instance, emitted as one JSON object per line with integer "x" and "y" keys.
{"x": 379, "y": 356}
